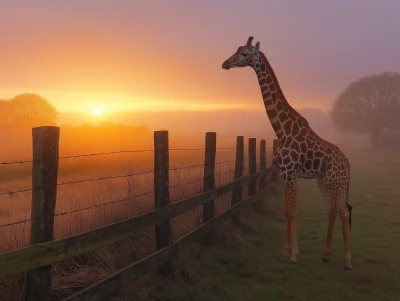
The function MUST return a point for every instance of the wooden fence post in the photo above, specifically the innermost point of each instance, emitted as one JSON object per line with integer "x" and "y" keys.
{"x": 263, "y": 164}
{"x": 237, "y": 193}
{"x": 252, "y": 165}
{"x": 161, "y": 193}
{"x": 44, "y": 194}
{"x": 209, "y": 180}
{"x": 274, "y": 147}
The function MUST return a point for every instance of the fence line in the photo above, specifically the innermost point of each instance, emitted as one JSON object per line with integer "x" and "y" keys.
{"x": 116, "y": 152}
{"x": 37, "y": 259}
{"x": 56, "y": 250}
{"x": 111, "y": 177}
{"x": 140, "y": 268}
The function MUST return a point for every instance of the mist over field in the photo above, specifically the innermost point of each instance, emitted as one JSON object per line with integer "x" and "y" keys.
{"x": 112, "y": 74}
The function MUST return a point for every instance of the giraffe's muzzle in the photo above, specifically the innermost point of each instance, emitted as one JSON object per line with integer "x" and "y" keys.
{"x": 226, "y": 65}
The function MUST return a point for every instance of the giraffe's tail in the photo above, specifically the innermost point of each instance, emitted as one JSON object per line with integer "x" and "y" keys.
{"x": 349, "y": 207}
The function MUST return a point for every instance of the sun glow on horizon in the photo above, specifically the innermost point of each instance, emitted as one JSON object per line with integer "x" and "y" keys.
{"x": 98, "y": 111}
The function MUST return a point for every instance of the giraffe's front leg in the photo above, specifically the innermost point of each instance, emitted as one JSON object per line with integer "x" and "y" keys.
{"x": 288, "y": 244}
{"x": 290, "y": 188}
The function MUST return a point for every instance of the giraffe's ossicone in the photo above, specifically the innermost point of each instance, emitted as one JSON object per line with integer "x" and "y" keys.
{"x": 301, "y": 153}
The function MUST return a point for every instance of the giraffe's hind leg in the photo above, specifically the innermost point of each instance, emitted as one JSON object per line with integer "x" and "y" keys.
{"x": 336, "y": 192}
{"x": 332, "y": 212}
{"x": 344, "y": 217}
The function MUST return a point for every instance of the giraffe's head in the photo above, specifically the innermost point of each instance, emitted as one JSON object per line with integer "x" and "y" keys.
{"x": 247, "y": 55}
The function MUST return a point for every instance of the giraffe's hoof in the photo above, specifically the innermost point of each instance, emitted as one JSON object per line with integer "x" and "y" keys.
{"x": 348, "y": 268}
{"x": 325, "y": 259}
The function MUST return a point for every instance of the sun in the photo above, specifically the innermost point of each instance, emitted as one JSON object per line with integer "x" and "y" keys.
{"x": 98, "y": 111}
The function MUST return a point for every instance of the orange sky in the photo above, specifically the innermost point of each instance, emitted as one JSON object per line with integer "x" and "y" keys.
{"x": 135, "y": 56}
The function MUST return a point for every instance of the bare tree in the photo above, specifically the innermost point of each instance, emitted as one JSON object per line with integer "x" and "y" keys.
{"x": 369, "y": 105}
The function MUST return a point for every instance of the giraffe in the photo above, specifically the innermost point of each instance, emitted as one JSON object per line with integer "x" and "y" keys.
{"x": 300, "y": 153}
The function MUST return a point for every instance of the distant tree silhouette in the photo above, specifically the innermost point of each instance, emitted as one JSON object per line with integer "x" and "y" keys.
{"x": 6, "y": 111}
{"x": 27, "y": 109}
{"x": 369, "y": 105}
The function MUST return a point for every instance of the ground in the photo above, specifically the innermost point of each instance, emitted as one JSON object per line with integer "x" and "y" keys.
{"x": 247, "y": 262}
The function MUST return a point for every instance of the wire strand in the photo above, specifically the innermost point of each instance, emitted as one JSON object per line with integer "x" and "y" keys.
{"x": 226, "y": 148}
{"x": 106, "y": 153}
{"x": 17, "y": 162}
{"x": 102, "y": 204}
{"x": 187, "y": 183}
{"x": 223, "y": 162}
{"x": 105, "y": 178}
{"x": 108, "y": 203}
{"x": 16, "y": 223}
{"x": 224, "y": 173}
{"x": 186, "y": 149}
{"x": 186, "y": 167}
{"x": 199, "y": 165}
{"x": 17, "y": 191}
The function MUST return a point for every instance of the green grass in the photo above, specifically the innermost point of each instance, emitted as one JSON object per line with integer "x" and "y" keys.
{"x": 247, "y": 262}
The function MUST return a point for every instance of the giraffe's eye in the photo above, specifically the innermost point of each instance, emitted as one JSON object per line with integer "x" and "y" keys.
{"x": 245, "y": 54}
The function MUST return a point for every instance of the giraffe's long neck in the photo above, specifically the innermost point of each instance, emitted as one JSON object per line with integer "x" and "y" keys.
{"x": 279, "y": 111}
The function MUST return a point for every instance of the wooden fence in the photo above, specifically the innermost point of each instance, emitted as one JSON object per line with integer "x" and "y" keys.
{"x": 37, "y": 259}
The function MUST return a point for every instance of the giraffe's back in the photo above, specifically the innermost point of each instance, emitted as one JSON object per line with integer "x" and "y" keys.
{"x": 309, "y": 156}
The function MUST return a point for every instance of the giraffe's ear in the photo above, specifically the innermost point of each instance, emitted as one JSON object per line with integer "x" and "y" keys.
{"x": 258, "y": 45}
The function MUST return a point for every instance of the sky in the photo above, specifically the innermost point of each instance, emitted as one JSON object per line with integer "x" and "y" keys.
{"x": 136, "y": 56}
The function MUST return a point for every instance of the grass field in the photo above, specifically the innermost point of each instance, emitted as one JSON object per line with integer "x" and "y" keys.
{"x": 247, "y": 262}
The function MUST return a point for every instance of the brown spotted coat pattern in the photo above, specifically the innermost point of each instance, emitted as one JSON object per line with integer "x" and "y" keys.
{"x": 301, "y": 153}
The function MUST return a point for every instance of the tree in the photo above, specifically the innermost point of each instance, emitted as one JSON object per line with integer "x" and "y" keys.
{"x": 6, "y": 111}
{"x": 33, "y": 110}
{"x": 369, "y": 105}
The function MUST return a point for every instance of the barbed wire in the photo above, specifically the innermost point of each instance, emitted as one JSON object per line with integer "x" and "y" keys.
{"x": 108, "y": 203}
{"x": 185, "y": 167}
{"x": 17, "y": 191}
{"x": 223, "y": 162}
{"x": 225, "y": 148}
{"x": 16, "y": 223}
{"x": 187, "y": 149}
{"x": 102, "y": 204}
{"x": 118, "y": 152}
{"x": 199, "y": 165}
{"x": 224, "y": 173}
{"x": 186, "y": 183}
{"x": 128, "y": 198}
{"x": 112, "y": 177}
{"x": 16, "y": 162}
{"x": 106, "y": 153}
{"x": 200, "y": 179}
{"x": 105, "y": 178}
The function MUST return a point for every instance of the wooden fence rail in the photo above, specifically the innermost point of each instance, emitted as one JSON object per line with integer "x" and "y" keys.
{"x": 44, "y": 251}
